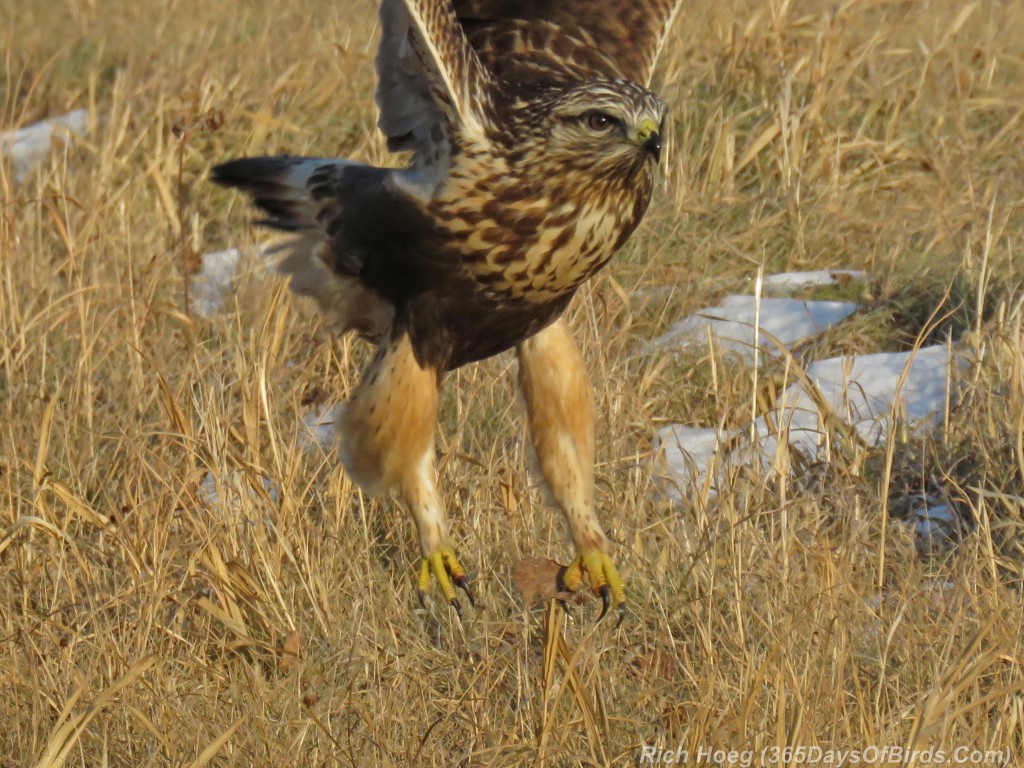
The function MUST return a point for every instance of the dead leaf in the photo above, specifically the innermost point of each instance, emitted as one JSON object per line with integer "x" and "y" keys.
{"x": 655, "y": 663}
{"x": 291, "y": 653}
{"x": 540, "y": 579}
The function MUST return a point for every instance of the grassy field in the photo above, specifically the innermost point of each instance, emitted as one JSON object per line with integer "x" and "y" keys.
{"x": 142, "y": 625}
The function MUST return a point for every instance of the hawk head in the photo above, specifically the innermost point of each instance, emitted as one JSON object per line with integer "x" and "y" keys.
{"x": 540, "y": 197}
{"x": 600, "y": 130}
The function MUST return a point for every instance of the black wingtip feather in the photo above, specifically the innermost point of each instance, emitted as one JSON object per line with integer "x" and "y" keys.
{"x": 250, "y": 172}
{"x": 291, "y": 191}
{"x": 263, "y": 179}
{"x": 281, "y": 225}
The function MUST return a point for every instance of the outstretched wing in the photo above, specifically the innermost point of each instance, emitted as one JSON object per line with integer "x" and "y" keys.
{"x": 429, "y": 79}
{"x": 439, "y": 61}
{"x": 613, "y": 38}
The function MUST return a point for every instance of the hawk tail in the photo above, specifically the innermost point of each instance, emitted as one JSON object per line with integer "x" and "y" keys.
{"x": 297, "y": 193}
{"x": 276, "y": 186}
{"x": 308, "y": 197}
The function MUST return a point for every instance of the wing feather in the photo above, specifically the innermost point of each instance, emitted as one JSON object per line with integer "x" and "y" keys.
{"x": 440, "y": 62}
{"x": 666, "y": 13}
{"x": 454, "y": 72}
{"x": 628, "y": 35}
{"x": 429, "y": 79}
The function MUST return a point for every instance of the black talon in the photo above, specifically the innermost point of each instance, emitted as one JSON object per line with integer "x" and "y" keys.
{"x": 463, "y": 583}
{"x": 606, "y": 601}
{"x": 560, "y": 579}
{"x": 423, "y": 598}
{"x": 622, "y": 614}
{"x": 458, "y": 608}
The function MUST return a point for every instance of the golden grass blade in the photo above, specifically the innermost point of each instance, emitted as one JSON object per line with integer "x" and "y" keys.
{"x": 217, "y": 744}
{"x": 39, "y": 471}
{"x": 579, "y": 691}
{"x": 33, "y": 522}
{"x": 75, "y": 504}
{"x": 166, "y": 199}
{"x": 69, "y": 728}
{"x": 551, "y": 633}
{"x": 766, "y": 137}
{"x": 151, "y": 729}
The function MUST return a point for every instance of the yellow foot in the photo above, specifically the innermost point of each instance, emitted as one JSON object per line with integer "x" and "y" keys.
{"x": 603, "y": 577}
{"x": 446, "y": 569}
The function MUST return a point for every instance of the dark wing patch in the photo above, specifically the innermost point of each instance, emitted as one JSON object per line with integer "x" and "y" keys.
{"x": 538, "y": 53}
{"x": 624, "y": 37}
{"x": 266, "y": 180}
{"x": 307, "y": 196}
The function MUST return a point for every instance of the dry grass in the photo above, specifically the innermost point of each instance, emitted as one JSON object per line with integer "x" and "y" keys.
{"x": 141, "y": 626}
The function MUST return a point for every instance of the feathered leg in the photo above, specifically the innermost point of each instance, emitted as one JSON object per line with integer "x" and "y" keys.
{"x": 560, "y": 411}
{"x": 388, "y": 441}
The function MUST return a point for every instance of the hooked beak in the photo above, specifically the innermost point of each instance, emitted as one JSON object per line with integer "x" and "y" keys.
{"x": 649, "y": 138}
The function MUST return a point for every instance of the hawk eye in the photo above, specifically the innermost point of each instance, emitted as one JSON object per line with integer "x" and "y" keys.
{"x": 599, "y": 122}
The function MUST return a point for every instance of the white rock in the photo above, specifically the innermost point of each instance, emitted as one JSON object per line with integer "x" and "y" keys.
{"x": 931, "y": 536}
{"x": 863, "y": 391}
{"x": 227, "y": 491}
{"x": 792, "y": 281}
{"x": 935, "y": 523}
{"x": 29, "y": 146}
{"x": 319, "y": 429}
{"x": 211, "y": 284}
{"x": 940, "y": 513}
{"x": 688, "y": 454}
{"x": 731, "y": 323}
